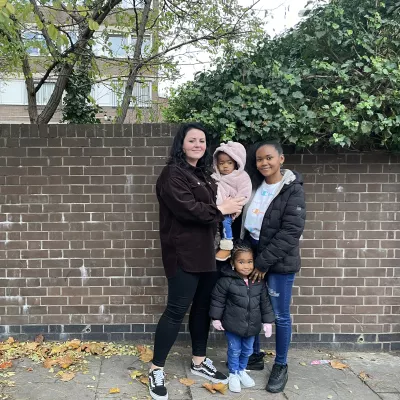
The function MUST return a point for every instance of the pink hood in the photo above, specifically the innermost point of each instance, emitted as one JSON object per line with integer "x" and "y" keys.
{"x": 234, "y": 150}
{"x": 237, "y": 183}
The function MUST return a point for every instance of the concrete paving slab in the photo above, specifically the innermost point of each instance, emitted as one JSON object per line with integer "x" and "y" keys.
{"x": 306, "y": 382}
{"x": 40, "y": 384}
{"x": 383, "y": 370}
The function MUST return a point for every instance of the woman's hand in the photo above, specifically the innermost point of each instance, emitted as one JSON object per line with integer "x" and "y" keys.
{"x": 232, "y": 206}
{"x": 256, "y": 275}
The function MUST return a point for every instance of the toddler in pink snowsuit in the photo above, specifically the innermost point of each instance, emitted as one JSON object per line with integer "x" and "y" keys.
{"x": 232, "y": 181}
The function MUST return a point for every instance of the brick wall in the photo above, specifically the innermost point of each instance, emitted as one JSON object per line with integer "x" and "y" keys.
{"x": 79, "y": 249}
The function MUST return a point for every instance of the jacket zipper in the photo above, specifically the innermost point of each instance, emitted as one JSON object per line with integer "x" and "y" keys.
{"x": 248, "y": 309}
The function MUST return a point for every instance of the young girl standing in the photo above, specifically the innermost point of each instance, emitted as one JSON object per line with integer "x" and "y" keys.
{"x": 241, "y": 308}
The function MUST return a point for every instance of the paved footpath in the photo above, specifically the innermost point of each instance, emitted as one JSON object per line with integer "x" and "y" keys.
{"x": 306, "y": 382}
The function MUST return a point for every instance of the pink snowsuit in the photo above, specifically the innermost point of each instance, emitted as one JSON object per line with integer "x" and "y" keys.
{"x": 237, "y": 183}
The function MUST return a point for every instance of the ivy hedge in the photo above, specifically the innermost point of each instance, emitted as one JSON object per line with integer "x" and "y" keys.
{"x": 333, "y": 80}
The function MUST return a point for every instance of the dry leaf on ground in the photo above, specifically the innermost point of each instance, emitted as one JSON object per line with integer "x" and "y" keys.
{"x": 270, "y": 353}
{"x": 209, "y": 387}
{"x": 364, "y": 376}
{"x": 48, "y": 363}
{"x": 65, "y": 362}
{"x": 144, "y": 380}
{"x": 93, "y": 348}
{"x": 6, "y": 364}
{"x": 136, "y": 373}
{"x": 32, "y": 345}
{"x": 338, "y": 365}
{"x": 10, "y": 340}
{"x": 220, "y": 387}
{"x": 58, "y": 349}
{"x": 146, "y": 354}
{"x": 73, "y": 344}
{"x": 39, "y": 339}
{"x": 67, "y": 376}
{"x": 114, "y": 390}
{"x": 187, "y": 381}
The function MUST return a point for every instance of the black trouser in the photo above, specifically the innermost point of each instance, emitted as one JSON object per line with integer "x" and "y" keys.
{"x": 184, "y": 289}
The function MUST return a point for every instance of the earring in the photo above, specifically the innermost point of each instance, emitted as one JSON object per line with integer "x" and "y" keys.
{"x": 233, "y": 268}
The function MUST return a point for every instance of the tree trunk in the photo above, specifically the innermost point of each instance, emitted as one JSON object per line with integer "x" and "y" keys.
{"x": 51, "y": 107}
{"x": 30, "y": 90}
{"x": 63, "y": 75}
{"x": 136, "y": 64}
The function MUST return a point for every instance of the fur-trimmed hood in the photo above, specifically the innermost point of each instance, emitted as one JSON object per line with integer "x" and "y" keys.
{"x": 234, "y": 150}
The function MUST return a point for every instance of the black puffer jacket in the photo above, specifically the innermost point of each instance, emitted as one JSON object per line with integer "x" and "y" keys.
{"x": 240, "y": 308}
{"x": 283, "y": 224}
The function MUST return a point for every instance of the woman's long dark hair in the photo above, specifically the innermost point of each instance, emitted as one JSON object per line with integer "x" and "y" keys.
{"x": 177, "y": 156}
{"x": 251, "y": 165}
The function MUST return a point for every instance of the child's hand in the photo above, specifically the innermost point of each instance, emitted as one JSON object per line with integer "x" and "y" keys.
{"x": 217, "y": 325}
{"x": 267, "y": 328}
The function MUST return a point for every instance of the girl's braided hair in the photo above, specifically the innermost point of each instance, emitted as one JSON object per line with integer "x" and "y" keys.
{"x": 240, "y": 246}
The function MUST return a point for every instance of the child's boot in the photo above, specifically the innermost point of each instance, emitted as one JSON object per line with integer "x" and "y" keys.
{"x": 246, "y": 380}
{"x": 224, "y": 252}
{"x": 234, "y": 383}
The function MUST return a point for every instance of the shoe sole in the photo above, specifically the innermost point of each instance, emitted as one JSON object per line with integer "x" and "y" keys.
{"x": 213, "y": 380}
{"x": 157, "y": 397}
{"x": 248, "y": 386}
{"x": 268, "y": 389}
{"x": 255, "y": 367}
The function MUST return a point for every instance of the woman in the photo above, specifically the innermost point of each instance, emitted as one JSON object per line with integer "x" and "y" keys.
{"x": 188, "y": 222}
{"x": 273, "y": 222}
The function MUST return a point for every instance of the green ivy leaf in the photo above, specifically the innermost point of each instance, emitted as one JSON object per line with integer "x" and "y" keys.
{"x": 10, "y": 8}
{"x": 52, "y": 31}
{"x": 297, "y": 95}
{"x": 366, "y": 127}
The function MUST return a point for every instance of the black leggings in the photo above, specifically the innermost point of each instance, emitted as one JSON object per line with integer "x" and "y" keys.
{"x": 184, "y": 289}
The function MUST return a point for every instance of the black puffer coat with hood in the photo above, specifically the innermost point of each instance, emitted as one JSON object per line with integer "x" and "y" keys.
{"x": 239, "y": 307}
{"x": 283, "y": 224}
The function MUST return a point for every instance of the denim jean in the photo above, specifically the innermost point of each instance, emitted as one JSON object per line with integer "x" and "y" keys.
{"x": 280, "y": 292}
{"x": 227, "y": 227}
{"x": 239, "y": 351}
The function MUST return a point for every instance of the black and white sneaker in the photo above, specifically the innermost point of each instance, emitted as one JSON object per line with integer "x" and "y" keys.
{"x": 157, "y": 388}
{"x": 207, "y": 370}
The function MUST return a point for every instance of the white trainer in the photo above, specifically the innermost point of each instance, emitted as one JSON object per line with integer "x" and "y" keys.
{"x": 246, "y": 380}
{"x": 234, "y": 383}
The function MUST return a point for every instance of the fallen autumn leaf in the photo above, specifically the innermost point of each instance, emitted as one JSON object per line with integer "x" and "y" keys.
{"x": 67, "y": 376}
{"x": 220, "y": 387}
{"x": 146, "y": 354}
{"x": 186, "y": 381}
{"x": 209, "y": 387}
{"x": 6, "y": 364}
{"x": 338, "y": 365}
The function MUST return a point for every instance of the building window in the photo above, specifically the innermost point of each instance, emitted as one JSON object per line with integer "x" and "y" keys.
{"x": 130, "y": 4}
{"x": 35, "y": 42}
{"x": 44, "y": 93}
{"x": 120, "y": 46}
{"x": 110, "y": 95}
